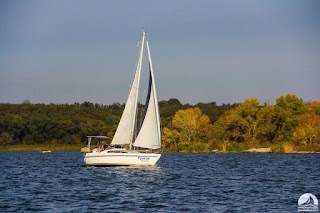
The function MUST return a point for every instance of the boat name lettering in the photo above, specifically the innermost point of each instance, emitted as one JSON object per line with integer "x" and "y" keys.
{"x": 144, "y": 159}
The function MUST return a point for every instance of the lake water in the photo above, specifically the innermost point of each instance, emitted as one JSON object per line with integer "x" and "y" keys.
{"x": 57, "y": 182}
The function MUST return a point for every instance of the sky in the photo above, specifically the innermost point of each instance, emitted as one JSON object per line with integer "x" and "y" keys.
{"x": 202, "y": 51}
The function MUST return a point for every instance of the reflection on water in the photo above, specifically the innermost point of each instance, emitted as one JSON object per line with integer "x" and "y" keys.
{"x": 58, "y": 181}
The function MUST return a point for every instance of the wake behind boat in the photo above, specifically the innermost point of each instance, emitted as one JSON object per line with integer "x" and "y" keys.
{"x": 131, "y": 144}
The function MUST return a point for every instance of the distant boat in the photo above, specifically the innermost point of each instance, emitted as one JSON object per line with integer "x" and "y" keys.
{"x": 131, "y": 144}
{"x": 48, "y": 151}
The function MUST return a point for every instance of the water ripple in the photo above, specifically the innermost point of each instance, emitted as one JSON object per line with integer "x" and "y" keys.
{"x": 57, "y": 182}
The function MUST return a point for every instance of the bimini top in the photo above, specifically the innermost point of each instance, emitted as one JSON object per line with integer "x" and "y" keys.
{"x": 99, "y": 137}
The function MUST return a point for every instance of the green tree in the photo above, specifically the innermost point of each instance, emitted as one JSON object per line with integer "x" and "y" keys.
{"x": 6, "y": 139}
{"x": 266, "y": 130}
{"x": 239, "y": 124}
{"x": 287, "y": 112}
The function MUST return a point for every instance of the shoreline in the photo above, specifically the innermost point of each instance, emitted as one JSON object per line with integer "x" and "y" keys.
{"x": 40, "y": 148}
{"x": 77, "y": 147}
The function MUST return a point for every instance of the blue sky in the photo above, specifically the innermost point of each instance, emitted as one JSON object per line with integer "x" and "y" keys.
{"x": 203, "y": 51}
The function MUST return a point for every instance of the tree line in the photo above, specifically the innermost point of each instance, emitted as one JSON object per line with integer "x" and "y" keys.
{"x": 289, "y": 124}
{"x": 28, "y": 123}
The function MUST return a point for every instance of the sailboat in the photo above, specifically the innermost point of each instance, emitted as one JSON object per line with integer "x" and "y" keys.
{"x": 132, "y": 144}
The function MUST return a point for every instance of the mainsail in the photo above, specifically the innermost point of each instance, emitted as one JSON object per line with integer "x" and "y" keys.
{"x": 124, "y": 132}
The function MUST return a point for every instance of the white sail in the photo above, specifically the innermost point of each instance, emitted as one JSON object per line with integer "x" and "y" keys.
{"x": 155, "y": 95}
{"x": 149, "y": 135}
{"x": 124, "y": 132}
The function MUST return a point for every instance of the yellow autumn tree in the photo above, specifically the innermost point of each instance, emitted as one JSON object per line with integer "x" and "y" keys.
{"x": 308, "y": 130}
{"x": 189, "y": 128}
{"x": 191, "y": 124}
{"x": 170, "y": 139}
{"x": 313, "y": 107}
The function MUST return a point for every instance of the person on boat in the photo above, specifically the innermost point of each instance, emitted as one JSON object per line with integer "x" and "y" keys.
{"x": 100, "y": 147}
{"x": 97, "y": 149}
{"x": 107, "y": 147}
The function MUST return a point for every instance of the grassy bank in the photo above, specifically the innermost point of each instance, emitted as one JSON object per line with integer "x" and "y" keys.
{"x": 225, "y": 148}
{"x": 40, "y": 147}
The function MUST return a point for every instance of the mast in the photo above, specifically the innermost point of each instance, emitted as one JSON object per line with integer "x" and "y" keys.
{"x": 138, "y": 71}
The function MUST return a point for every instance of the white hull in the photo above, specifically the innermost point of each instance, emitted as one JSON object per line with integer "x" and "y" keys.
{"x": 121, "y": 159}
